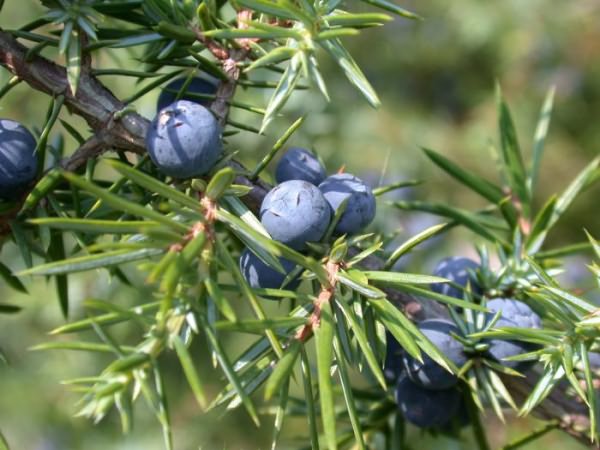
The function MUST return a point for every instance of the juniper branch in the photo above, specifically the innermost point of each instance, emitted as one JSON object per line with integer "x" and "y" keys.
{"x": 125, "y": 133}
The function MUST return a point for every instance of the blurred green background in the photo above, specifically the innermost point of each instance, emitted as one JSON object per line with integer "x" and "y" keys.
{"x": 436, "y": 80}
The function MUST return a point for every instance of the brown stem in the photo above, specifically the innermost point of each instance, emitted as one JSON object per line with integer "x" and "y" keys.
{"x": 325, "y": 296}
{"x": 125, "y": 132}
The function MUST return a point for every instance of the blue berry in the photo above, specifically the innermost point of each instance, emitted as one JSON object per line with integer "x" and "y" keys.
{"x": 594, "y": 360}
{"x": 18, "y": 163}
{"x": 456, "y": 269}
{"x": 360, "y": 208}
{"x": 393, "y": 366}
{"x": 426, "y": 408}
{"x": 260, "y": 275}
{"x": 184, "y": 140}
{"x": 514, "y": 313}
{"x": 460, "y": 420}
{"x": 299, "y": 164}
{"x": 428, "y": 373}
{"x": 197, "y": 86}
{"x": 295, "y": 212}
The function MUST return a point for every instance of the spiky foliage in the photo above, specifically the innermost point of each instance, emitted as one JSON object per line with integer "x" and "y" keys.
{"x": 183, "y": 238}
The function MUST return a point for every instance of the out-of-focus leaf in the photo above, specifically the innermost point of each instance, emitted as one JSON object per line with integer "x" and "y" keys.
{"x": 393, "y": 8}
{"x": 80, "y": 346}
{"x": 539, "y": 139}
{"x": 531, "y": 436}
{"x": 12, "y": 281}
{"x": 6, "y": 308}
{"x": 587, "y": 175}
{"x": 392, "y": 187}
{"x": 478, "y": 223}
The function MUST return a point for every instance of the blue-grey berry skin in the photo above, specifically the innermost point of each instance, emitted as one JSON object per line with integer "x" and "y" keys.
{"x": 594, "y": 360}
{"x": 460, "y": 420}
{"x": 426, "y": 408}
{"x": 18, "y": 163}
{"x": 299, "y": 164}
{"x": 360, "y": 209}
{"x": 260, "y": 275}
{"x": 428, "y": 373}
{"x": 393, "y": 367}
{"x": 514, "y": 313}
{"x": 294, "y": 213}
{"x": 197, "y": 86}
{"x": 456, "y": 269}
{"x": 184, "y": 140}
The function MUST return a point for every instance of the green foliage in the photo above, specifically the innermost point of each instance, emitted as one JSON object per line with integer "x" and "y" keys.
{"x": 182, "y": 238}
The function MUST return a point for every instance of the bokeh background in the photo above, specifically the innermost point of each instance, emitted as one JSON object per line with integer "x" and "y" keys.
{"x": 436, "y": 81}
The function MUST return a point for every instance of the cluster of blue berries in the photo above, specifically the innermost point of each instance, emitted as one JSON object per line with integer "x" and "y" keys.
{"x": 18, "y": 162}
{"x": 300, "y": 209}
{"x": 184, "y": 141}
{"x": 427, "y": 394}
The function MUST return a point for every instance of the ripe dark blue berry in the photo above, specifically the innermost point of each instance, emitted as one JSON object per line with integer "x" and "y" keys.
{"x": 460, "y": 420}
{"x": 393, "y": 366}
{"x": 360, "y": 207}
{"x": 260, "y": 275}
{"x": 426, "y": 408}
{"x": 594, "y": 360}
{"x": 295, "y": 212}
{"x": 428, "y": 373}
{"x": 18, "y": 163}
{"x": 514, "y": 313}
{"x": 456, "y": 269}
{"x": 197, "y": 86}
{"x": 184, "y": 140}
{"x": 299, "y": 164}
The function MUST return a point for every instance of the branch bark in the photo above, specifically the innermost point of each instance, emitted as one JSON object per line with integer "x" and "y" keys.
{"x": 120, "y": 131}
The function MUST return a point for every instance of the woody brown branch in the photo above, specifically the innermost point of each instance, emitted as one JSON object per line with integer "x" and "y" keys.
{"x": 98, "y": 107}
